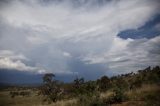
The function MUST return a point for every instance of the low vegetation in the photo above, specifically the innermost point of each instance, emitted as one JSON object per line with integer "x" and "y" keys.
{"x": 132, "y": 89}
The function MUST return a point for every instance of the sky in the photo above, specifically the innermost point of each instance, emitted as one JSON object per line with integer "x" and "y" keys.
{"x": 85, "y": 38}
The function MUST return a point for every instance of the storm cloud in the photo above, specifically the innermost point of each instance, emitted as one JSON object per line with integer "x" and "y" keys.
{"x": 77, "y": 36}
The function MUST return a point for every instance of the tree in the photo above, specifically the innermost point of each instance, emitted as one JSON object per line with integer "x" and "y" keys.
{"x": 48, "y": 78}
{"x": 78, "y": 82}
{"x": 79, "y": 86}
{"x": 50, "y": 88}
{"x": 103, "y": 83}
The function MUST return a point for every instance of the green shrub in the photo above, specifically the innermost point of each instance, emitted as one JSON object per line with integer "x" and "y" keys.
{"x": 85, "y": 100}
{"x": 103, "y": 83}
{"x": 117, "y": 97}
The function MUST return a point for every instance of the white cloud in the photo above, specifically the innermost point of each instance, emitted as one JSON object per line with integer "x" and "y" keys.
{"x": 66, "y": 54}
{"x": 113, "y": 54}
{"x": 17, "y": 65}
{"x": 131, "y": 55}
{"x": 63, "y": 21}
{"x": 11, "y": 54}
{"x": 9, "y": 60}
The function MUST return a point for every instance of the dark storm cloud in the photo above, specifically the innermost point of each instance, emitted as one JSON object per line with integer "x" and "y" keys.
{"x": 88, "y": 71}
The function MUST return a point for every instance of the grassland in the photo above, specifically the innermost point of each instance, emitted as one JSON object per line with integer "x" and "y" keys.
{"x": 31, "y": 100}
{"x": 147, "y": 95}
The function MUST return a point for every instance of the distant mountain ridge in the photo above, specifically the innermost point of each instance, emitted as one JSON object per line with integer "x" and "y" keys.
{"x": 14, "y": 77}
{"x": 19, "y": 77}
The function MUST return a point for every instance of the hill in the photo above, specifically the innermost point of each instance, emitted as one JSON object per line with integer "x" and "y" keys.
{"x": 132, "y": 89}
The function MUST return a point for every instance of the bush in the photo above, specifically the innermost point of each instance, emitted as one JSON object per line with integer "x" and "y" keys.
{"x": 103, "y": 83}
{"x": 152, "y": 98}
{"x": 117, "y": 97}
{"x": 137, "y": 83}
{"x": 84, "y": 88}
{"x": 121, "y": 84}
{"x": 19, "y": 93}
{"x": 90, "y": 101}
{"x": 13, "y": 94}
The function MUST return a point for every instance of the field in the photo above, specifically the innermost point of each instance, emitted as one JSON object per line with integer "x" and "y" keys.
{"x": 143, "y": 96}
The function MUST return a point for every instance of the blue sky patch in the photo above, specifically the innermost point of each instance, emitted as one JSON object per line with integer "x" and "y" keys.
{"x": 149, "y": 30}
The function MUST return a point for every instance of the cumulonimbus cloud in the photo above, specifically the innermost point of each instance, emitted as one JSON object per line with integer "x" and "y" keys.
{"x": 52, "y": 34}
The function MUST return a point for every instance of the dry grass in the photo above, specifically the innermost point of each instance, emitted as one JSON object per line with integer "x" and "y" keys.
{"x": 32, "y": 100}
{"x": 137, "y": 97}
{"x": 70, "y": 102}
{"x": 131, "y": 103}
{"x": 6, "y": 100}
{"x": 137, "y": 94}
{"x": 106, "y": 94}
